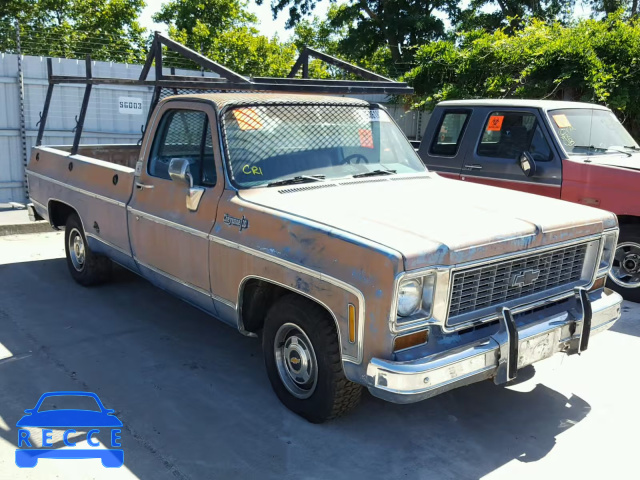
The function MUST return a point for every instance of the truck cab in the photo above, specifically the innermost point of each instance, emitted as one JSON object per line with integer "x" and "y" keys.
{"x": 578, "y": 152}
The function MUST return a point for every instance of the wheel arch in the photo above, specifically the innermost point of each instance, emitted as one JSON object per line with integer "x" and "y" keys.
{"x": 257, "y": 294}
{"x": 628, "y": 220}
{"x": 59, "y": 212}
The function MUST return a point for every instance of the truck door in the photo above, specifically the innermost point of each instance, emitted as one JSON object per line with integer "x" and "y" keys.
{"x": 503, "y": 136}
{"x": 169, "y": 220}
{"x": 440, "y": 148}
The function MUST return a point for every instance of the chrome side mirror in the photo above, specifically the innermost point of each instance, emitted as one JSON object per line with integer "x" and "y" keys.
{"x": 527, "y": 164}
{"x": 180, "y": 171}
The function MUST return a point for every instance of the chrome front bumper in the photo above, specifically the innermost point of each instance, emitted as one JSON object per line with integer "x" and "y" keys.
{"x": 498, "y": 356}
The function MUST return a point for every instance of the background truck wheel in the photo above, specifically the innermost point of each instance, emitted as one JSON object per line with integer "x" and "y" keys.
{"x": 85, "y": 267}
{"x": 302, "y": 356}
{"x": 625, "y": 273}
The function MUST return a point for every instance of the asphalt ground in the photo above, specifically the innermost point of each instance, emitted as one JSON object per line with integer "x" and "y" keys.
{"x": 195, "y": 401}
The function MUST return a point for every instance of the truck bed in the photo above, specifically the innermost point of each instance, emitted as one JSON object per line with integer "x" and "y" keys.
{"x": 97, "y": 181}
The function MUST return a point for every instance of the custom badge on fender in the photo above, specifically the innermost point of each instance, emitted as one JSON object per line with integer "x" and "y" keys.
{"x": 241, "y": 223}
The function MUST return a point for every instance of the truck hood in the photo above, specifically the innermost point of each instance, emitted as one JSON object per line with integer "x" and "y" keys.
{"x": 431, "y": 220}
{"x": 618, "y": 161}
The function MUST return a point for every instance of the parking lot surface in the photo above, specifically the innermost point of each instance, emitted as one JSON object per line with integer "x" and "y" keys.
{"x": 195, "y": 401}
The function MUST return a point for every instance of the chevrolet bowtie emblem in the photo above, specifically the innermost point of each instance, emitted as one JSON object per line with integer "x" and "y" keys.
{"x": 524, "y": 278}
{"x": 295, "y": 361}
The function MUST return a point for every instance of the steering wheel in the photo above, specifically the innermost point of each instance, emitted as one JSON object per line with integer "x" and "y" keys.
{"x": 359, "y": 158}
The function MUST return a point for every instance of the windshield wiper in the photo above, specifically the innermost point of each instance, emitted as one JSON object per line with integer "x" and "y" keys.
{"x": 590, "y": 147}
{"x": 374, "y": 173}
{"x": 298, "y": 179}
{"x": 631, "y": 147}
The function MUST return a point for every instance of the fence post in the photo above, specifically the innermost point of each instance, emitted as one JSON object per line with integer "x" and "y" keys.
{"x": 23, "y": 128}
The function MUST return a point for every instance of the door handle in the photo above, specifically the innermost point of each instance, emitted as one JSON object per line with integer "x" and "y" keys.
{"x": 142, "y": 186}
{"x": 473, "y": 166}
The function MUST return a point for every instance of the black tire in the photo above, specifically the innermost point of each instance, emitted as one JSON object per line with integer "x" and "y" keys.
{"x": 629, "y": 234}
{"x": 333, "y": 395}
{"x": 87, "y": 268}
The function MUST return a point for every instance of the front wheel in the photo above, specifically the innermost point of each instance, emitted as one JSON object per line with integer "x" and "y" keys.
{"x": 625, "y": 271}
{"x": 86, "y": 267}
{"x": 302, "y": 355}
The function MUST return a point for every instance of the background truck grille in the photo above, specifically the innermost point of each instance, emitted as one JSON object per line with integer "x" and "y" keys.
{"x": 500, "y": 282}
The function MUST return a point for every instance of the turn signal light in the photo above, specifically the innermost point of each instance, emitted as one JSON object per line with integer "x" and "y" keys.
{"x": 599, "y": 283}
{"x": 411, "y": 340}
{"x": 352, "y": 323}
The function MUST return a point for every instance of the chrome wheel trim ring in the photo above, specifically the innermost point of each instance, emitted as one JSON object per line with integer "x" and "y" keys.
{"x": 295, "y": 360}
{"x": 77, "y": 249}
{"x": 625, "y": 270}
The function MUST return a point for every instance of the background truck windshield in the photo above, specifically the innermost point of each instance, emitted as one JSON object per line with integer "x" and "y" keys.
{"x": 585, "y": 131}
{"x": 272, "y": 143}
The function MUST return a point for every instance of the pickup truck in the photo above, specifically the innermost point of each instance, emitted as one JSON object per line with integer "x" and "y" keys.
{"x": 310, "y": 221}
{"x": 578, "y": 152}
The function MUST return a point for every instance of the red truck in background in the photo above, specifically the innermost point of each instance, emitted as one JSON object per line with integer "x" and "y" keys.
{"x": 578, "y": 152}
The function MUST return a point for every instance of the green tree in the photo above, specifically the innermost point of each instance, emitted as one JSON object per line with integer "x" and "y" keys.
{"x": 491, "y": 15}
{"x": 224, "y": 31}
{"x": 106, "y": 29}
{"x": 590, "y": 60}
{"x": 399, "y": 25}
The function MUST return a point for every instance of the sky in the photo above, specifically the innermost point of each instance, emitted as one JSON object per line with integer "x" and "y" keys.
{"x": 266, "y": 24}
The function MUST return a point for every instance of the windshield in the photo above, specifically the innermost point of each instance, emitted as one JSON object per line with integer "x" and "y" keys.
{"x": 586, "y": 131}
{"x": 267, "y": 144}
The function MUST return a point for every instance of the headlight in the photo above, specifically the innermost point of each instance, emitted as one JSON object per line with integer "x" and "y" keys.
{"x": 608, "y": 250}
{"x": 409, "y": 297}
{"x": 416, "y": 295}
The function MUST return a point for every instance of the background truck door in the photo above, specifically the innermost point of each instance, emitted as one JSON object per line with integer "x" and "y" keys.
{"x": 169, "y": 240}
{"x": 440, "y": 148}
{"x": 503, "y": 136}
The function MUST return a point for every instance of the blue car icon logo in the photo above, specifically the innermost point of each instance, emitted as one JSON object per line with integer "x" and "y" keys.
{"x": 68, "y": 420}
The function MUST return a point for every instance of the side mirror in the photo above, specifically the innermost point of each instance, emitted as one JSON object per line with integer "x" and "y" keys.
{"x": 180, "y": 171}
{"x": 527, "y": 164}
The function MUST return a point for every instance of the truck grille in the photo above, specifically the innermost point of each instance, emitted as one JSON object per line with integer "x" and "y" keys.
{"x": 501, "y": 282}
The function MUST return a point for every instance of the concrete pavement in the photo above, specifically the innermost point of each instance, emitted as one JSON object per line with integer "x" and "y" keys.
{"x": 196, "y": 404}
{"x": 14, "y": 221}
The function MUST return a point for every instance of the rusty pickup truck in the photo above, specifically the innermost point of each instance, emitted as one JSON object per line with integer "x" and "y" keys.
{"x": 311, "y": 222}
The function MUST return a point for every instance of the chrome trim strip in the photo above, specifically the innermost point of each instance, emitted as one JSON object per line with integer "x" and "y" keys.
{"x": 224, "y": 301}
{"x": 76, "y": 189}
{"x": 168, "y": 223}
{"x": 510, "y": 181}
{"x": 108, "y": 244}
{"x": 312, "y": 273}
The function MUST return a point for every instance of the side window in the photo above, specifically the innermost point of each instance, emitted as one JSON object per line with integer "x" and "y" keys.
{"x": 184, "y": 134}
{"x": 508, "y": 134}
{"x": 540, "y": 149}
{"x": 449, "y": 134}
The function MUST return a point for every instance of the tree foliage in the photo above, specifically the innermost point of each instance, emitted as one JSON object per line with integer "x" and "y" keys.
{"x": 224, "y": 31}
{"x": 106, "y": 29}
{"x": 369, "y": 25}
{"x": 590, "y": 60}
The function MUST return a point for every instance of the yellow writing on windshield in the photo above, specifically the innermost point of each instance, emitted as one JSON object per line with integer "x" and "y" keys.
{"x": 248, "y": 170}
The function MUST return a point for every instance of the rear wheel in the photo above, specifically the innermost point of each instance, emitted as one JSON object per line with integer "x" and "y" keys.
{"x": 302, "y": 356}
{"x": 85, "y": 267}
{"x": 625, "y": 271}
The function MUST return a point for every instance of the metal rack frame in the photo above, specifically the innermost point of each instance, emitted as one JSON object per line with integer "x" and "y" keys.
{"x": 228, "y": 80}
